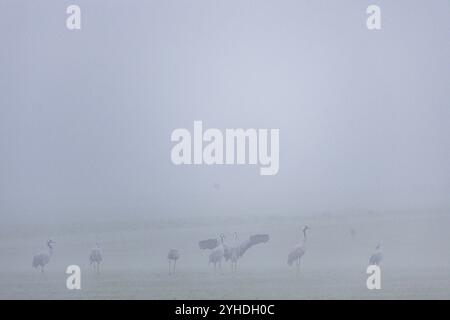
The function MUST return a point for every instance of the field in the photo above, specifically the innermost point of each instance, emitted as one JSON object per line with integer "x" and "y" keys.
{"x": 416, "y": 263}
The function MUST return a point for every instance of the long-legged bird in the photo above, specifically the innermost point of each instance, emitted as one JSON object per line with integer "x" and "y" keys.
{"x": 298, "y": 251}
{"x": 218, "y": 247}
{"x": 42, "y": 259}
{"x": 96, "y": 257}
{"x": 377, "y": 256}
{"x": 173, "y": 255}
{"x": 237, "y": 250}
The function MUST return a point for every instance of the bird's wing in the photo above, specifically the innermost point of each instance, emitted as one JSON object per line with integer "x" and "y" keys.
{"x": 259, "y": 238}
{"x": 291, "y": 258}
{"x": 96, "y": 255}
{"x": 376, "y": 258}
{"x": 296, "y": 253}
{"x": 173, "y": 254}
{"x": 35, "y": 262}
{"x": 208, "y": 244}
{"x": 41, "y": 258}
{"x": 227, "y": 252}
{"x": 216, "y": 255}
{"x": 253, "y": 240}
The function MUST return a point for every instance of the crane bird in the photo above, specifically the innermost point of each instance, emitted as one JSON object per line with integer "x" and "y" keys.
{"x": 96, "y": 257}
{"x": 235, "y": 252}
{"x": 41, "y": 259}
{"x": 298, "y": 251}
{"x": 218, "y": 247}
{"x": 173, "y": 255}
{"x": 376, "y": 257}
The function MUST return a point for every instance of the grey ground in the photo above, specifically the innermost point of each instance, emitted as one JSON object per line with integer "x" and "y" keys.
{"x": 416, "y": 265}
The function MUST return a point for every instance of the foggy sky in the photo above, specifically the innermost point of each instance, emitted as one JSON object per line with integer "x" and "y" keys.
{"x": 86, "y": 116}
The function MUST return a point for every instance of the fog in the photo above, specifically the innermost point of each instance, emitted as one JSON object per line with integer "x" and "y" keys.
{"x": 86, "y": 118}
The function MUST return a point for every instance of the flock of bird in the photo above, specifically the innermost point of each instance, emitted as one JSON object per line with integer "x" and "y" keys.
{"x": 42, "y": 259}
{"x": 219, "y": 251}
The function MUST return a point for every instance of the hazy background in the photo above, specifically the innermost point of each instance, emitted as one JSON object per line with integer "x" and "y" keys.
{"x": 86, "y": 118}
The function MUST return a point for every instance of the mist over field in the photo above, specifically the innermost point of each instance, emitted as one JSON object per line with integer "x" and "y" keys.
{"x": 86, "y": 118}
{"x": 416, "y": 263}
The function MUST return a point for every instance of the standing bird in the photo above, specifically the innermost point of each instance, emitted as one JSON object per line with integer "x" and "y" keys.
{"x": 173, "y": 255}
{"x": 377, "y": 256}
{"x": 298, "y": 251}
{"x": 41, "y": 259}
{"x": 216, "y": 256}
{"x": 96, "y": 257}
{"x": 235, "y": 252}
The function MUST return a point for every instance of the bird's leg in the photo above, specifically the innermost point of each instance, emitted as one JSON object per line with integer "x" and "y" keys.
{"x": 43, "y": 275}
{"x": 174, "y": 266}
{"x": 169, "y": 268}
